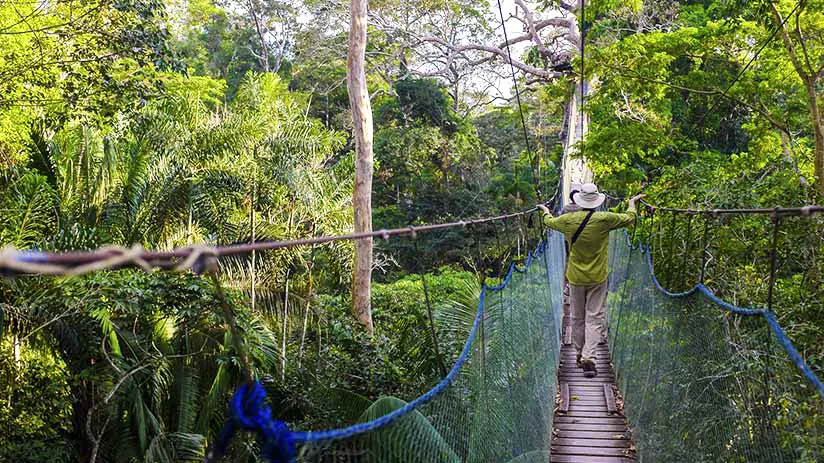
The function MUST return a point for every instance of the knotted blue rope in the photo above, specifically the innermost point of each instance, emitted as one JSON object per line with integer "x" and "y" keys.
{"x": 249, "y": 412}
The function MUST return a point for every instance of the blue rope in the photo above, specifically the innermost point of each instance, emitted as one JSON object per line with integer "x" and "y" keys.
{"x": 793, "y": 353}
{"x": 248, "y": 410}
{"x": 782, "y": 338}
{"x": 645, "y": 250}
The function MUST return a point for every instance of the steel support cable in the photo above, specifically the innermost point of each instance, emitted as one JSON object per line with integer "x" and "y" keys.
{"x": 583, "y": 49}
{"x": 520, "y": 108}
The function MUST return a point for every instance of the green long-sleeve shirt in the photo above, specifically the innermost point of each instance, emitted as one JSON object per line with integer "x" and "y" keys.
{"x": 588, "y": 262}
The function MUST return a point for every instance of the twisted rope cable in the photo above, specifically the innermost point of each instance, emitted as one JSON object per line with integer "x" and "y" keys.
{"x": 16, "y": 261}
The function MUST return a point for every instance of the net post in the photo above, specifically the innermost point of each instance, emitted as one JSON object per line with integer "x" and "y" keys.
{"x": 480, "y": 262}
{"x": 651, "y": 238}
{"x": 686, "y": 251}
{"x": 775, "y": 217}
{"x": 704, "y": 244}
{"x": 672, "y": 230}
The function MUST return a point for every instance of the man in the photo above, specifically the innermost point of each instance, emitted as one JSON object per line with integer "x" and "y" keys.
{"x": 587, "y": 234}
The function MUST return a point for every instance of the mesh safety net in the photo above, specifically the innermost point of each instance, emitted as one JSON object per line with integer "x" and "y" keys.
{"x": 497, "y": 402}
{"x": 703, "y": 380}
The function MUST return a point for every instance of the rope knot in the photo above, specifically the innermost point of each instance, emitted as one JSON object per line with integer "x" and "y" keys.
{"x": 249, "y": 412}
{"x": 201, "y": 259}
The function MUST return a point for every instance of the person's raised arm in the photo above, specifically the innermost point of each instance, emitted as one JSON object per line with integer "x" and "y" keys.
{"x": 549, "y": 221}
{"x": 633, "y": 200}
{"x": 626, "y": 219}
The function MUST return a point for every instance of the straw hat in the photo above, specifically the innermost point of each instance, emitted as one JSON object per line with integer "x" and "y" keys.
{"x": 589, "y": 197}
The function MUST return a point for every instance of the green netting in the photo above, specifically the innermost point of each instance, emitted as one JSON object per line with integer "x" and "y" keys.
{"x": 701, "y": 383}
{"x": 500, "y": 405}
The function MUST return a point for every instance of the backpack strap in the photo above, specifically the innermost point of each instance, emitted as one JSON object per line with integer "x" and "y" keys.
{"x": 580, "y": 229}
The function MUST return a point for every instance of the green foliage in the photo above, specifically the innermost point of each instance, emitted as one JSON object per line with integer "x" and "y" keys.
{"x": 407, "y": 438}
{"x": 36, "y": 415}
{"x": 659, "y": 102}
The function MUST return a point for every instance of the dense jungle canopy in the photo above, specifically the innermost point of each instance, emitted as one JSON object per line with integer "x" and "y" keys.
{"x": 166, "y": 123}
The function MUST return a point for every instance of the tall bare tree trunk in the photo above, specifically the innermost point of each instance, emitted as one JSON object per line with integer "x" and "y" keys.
{"x": 817, "y": 120}
{"x": 809, "y": 76}
{"x": 263, "y": 58}
{"x": 362, "y": 195}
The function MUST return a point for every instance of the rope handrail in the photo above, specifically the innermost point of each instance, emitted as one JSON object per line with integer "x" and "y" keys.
{"x": 803, "y": 211}
{"x": 778, "y": 211}
{"x": 76, "y": 263}
{"x": 768, "y": 315}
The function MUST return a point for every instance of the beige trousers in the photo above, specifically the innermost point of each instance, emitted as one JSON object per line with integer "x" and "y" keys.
{"x": 588, "y": 317}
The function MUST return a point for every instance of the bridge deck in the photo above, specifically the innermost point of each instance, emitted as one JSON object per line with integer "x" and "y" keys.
{"x": 589, "y": 424}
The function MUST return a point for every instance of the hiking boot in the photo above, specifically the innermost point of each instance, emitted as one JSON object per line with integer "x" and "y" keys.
{"x": 589, "y": 368}
{"x": 578, "y": 361}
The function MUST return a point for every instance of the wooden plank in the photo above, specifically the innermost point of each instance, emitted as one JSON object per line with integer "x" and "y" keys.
{"x": 599, "y": 378}
{"x": 618, "y": 434}
{"x": 564, "y": 398}
{"x": 601, "y": 358}
{"x": 585, "y": 382}
{"x": 586, "y": 428}
{"x": 587, "y": 459}
{"x": 570, "y": 361}
{"x": 577, "y": 442}
{"x": 568, "y": 336}
{"x": 587, "y": 400}
{"x": 588, "y": 407}
{"x": 590, "y": 451}
{"x": 590, "y": 420}
{"x": 593, "y": 390}
{"x": 610, "y": 396}
{"x": 603, "y": 413}
{"x": 578, "y": 394}
{"x": 590, "y": 427}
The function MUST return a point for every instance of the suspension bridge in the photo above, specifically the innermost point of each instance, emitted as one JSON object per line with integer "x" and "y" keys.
{"x": 684, "y": 375}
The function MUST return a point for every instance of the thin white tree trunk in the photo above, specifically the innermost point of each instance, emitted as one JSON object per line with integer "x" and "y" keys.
{"x": 362, "y": 194}
{"x": 305, "y": 318}
{"x": 16, "y": 343}
{"x": 283, "y": 331}
{"x": 253, "y": 263}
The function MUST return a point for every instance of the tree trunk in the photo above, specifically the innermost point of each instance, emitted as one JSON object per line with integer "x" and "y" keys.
{"x": 83, "y": 400}
{"x": 818, "y": 133}
{"x": 362, "y": 194}
{"x": 284, "y": 330}
{"x": 263, "y": 58}
{"x": 809, "y": 77}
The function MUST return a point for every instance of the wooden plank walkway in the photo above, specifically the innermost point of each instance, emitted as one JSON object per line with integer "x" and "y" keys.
{"x": 589, "y": 427}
